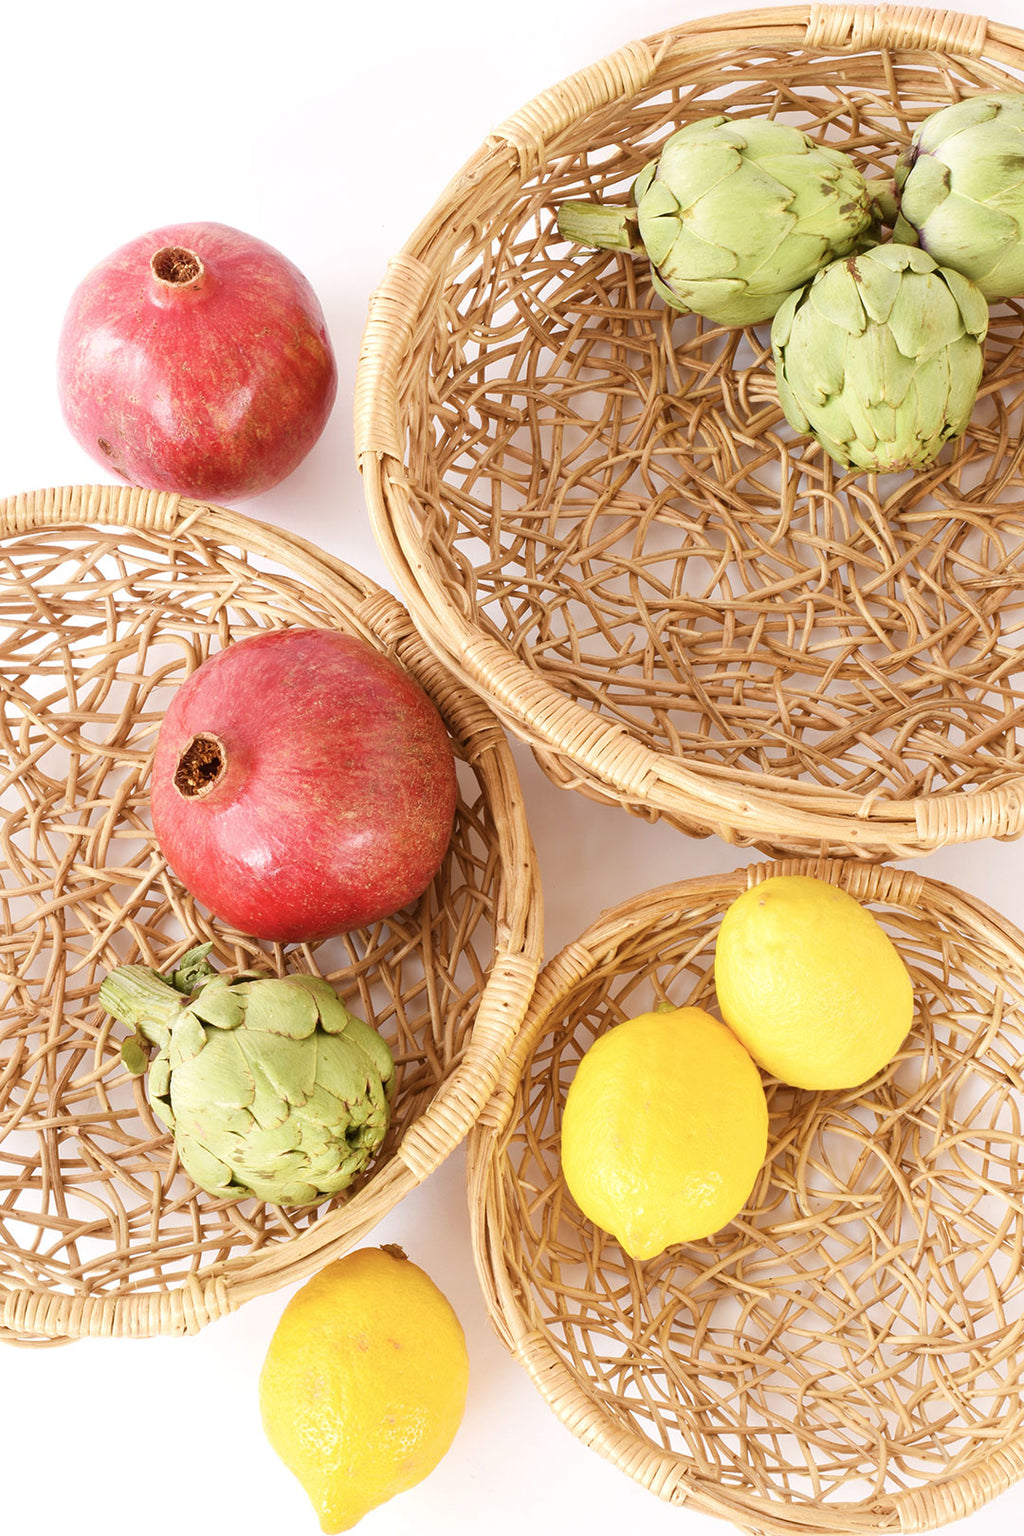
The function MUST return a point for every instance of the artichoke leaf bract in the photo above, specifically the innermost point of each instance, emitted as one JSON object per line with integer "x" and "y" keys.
{"x": 270, "y": 1086}
{"x": 216, "y": 1005}
{"x": 278, "y": 1007}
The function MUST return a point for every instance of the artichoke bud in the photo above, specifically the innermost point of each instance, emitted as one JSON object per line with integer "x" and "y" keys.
{"x": 960, "y": 187}
{"x": 734, "y": 214}
{"x": 270, "y": 1086}
{"x": 880, "y": 356}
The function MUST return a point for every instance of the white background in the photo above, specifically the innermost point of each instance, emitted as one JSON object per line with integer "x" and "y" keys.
{"x": 328, "y": 130}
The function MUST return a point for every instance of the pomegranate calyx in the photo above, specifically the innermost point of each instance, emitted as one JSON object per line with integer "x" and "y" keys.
{"x": 201, "y": 766}
{"x": 177, "y": 272}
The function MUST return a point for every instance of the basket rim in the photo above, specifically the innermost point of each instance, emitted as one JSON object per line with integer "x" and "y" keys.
{"x": 30, "y": 1315}
{"x": 563, "y": 733}
{"x": 665, "y": 1473}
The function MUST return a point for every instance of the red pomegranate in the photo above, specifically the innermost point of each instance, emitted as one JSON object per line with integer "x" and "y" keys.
{"x": 196, "y": 359}
{"x": 303, "y": 785}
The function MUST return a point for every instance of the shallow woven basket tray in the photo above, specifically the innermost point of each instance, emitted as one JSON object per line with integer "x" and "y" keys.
{"x": 846, "y": 1356}
{"x": 110, "y": 597}
{"x": 595, "y": 510}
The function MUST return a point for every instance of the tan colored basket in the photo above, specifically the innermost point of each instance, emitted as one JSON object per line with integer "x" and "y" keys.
{"x": 597, "y": 514}
{"x": 110, "y": 597}
{"x": 848, "y": 1355}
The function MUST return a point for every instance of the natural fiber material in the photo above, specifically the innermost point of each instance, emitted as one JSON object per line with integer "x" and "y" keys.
{"x": 110, "y": 597}
{"x": 597, "y": 513}
{"x": 848, "y": 1355}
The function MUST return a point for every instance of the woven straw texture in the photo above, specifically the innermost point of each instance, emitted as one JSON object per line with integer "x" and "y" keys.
{"x": 110, "y": 597}
{"x": 848, "y": 1355}
{"x": 595, "y": 509}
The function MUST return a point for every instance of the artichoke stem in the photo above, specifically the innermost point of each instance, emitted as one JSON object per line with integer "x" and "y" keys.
{"x": 136, "y": 995}
{"x": 609, "y": 228}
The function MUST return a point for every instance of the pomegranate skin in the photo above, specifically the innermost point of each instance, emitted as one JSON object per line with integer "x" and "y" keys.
{"x": 321, "y": 795}
{"x": 196, "y": 359}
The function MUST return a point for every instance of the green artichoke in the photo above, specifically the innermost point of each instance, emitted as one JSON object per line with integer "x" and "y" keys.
{"x": 960, "y": 186}
{"x": 269, "y": 1085}
{"x": 880, "y": 357}
{"x": 733, "y": 216}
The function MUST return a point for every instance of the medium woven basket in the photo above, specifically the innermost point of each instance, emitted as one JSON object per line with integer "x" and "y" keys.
{"x": 848, "y": 1354}
{"x": 596, "y": 512}
{"x": 110, "y": 597}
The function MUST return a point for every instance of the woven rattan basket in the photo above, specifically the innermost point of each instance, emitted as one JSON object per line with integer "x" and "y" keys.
{"x": 593, "y": 506}
{"x": 109, "y": 598}
{"x": 848, "y": 1355}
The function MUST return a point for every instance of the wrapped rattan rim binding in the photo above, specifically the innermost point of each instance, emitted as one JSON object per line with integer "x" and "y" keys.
{"x": 474, "y": 1029}
{"x": 423, "y": 292}
{"x": 619, "y": 1350}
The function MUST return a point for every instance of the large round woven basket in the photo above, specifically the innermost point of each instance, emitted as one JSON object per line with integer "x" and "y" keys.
{"x": 594, "y": 507}
{"x": 848, "y": 1354}
{"x": 110, "y": 597}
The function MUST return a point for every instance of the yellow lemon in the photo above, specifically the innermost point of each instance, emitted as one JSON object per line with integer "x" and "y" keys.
{"x": 664, "y": 1129}
{"x": 811, "y": 983}
{"x": 364, "y": 1383}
